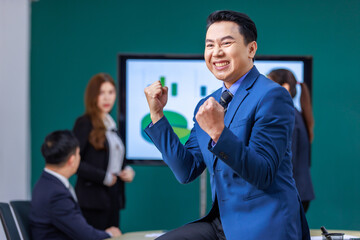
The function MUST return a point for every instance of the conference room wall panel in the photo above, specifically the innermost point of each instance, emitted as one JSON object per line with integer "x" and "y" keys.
{"x": 71, "y": 40}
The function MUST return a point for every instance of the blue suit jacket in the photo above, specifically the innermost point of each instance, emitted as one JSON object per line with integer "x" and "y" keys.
{"x": 56, "y": 215}
{"x": 250, "y": 165}
{"x": 301, "y": 159}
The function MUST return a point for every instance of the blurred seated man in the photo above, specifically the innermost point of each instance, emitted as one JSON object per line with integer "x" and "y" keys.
{"x": 55, "y": 213}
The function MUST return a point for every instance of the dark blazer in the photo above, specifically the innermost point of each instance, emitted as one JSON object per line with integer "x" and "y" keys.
{"x": 250, "y": 165}
{"x": 301, "y": 159}
{"x": 55, "y": 214}
{"x": 90, "y": 190}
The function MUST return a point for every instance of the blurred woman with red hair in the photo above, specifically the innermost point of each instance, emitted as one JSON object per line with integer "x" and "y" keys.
{"x": 101, "y": 175}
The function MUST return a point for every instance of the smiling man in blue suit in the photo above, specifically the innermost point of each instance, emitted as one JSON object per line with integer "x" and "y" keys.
{"x": 242, "y": 135}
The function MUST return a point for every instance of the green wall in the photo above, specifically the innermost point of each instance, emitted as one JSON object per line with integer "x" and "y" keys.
{"x": 71, "y": 40}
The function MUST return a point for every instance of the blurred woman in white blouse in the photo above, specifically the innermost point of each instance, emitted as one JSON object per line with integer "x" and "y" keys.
{"x": 102, "y": 174}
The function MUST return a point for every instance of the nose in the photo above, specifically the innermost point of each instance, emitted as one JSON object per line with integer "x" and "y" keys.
{"x": 218, "y": 51}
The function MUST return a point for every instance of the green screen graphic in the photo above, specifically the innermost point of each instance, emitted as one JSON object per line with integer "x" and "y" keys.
{"x": 176, "y": 120}
{"x": 203, "y": 91}
{"x": 174, "y": 89}
{"x": 162, "y": 80}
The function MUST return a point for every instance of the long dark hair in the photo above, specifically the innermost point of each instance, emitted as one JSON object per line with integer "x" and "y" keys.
{"x": 282, "y": 76}
{"x": 92, "y": 92}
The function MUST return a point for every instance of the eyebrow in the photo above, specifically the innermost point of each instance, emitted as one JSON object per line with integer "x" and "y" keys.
{"x": 222, "y": 39}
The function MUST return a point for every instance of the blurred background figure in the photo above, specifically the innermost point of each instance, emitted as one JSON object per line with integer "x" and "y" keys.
{"x": 101, "y": 177}
{"x": 55, "y": 212}
{"x": 302, "y": 136}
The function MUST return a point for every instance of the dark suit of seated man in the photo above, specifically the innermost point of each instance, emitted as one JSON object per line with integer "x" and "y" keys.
{"x": 55, "y": 213}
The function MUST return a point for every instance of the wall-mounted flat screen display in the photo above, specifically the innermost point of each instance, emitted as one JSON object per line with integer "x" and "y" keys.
{"x": 188, "y": 80}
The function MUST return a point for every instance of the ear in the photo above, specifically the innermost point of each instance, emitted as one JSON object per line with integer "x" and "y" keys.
{"x": 252, "y": 47}
{"x": 71, "y": 160}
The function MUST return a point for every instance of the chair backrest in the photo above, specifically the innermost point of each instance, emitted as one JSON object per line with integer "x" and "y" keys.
{"x": 22, "y": 211}
{"x": 8, "y": 222}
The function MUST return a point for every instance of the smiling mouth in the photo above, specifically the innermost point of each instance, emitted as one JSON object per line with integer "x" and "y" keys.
{"x": 221, "y": 64}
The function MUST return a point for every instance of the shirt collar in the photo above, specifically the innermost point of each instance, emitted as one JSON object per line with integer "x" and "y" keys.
{"x": 109, "y": 122}
{"x": 63, "y": 179}
{"x": 235, "y": 86}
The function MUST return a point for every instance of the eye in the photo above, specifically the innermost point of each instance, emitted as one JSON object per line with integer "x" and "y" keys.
{"x": 226, "y": 43}
{"x": 209, "y": 45}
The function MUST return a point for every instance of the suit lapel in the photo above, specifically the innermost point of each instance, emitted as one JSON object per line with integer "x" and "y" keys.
{"x": 235, "y": 103}
{"x": 217, "y": 96}
{"x": 240, "y": 95}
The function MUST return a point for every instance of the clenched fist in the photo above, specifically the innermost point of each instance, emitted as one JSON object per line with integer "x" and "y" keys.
{"x": 211, "y": 118}
{"x": 156, "y": 96}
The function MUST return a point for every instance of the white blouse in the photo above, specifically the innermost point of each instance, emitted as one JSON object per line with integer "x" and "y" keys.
{"x": 116, "y": 150}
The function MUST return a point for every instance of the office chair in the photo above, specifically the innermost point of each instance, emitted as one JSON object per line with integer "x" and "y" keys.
{"x": 22, "y": 211}
{"x": 8, "y": 222}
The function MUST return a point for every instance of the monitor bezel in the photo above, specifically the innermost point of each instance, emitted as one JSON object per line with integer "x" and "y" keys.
{"x": 123, "y": 57}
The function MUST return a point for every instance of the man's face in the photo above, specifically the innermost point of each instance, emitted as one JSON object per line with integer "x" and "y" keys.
{"x": 77, "y": 159}
{"x": 226, "y": 54}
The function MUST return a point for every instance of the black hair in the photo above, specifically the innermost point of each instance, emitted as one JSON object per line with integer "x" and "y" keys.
{"x": 247, "y": 27}
{"x": 59, "y": 146}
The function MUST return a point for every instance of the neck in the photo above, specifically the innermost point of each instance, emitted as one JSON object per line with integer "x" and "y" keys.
{"x": 247, "y": 69}
{"x": 60, "y": 170}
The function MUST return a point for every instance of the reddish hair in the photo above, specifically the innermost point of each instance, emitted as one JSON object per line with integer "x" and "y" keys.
{"x": 92, "y": 92}
{"x": 305, "y": 101}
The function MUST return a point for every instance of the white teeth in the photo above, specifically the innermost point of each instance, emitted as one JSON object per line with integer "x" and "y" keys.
{"x": 221, "y": 64}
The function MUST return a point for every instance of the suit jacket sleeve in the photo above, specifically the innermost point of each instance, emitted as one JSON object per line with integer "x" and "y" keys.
{"x": 82, "y": 129}
{"x": 271, "y": 132}
{"x": 185, "y": 161}
{"x": 67, "y": 217}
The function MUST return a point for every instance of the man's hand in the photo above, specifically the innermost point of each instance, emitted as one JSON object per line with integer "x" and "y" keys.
{"x": 156, "y": 96}
{"x": 211, "y": 118}
{"x": 114, "y": 231}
